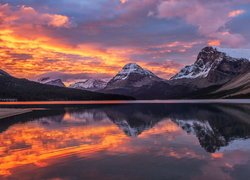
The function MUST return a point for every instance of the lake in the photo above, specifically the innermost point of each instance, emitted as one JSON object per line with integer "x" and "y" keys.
{"x": 144, "y": 140}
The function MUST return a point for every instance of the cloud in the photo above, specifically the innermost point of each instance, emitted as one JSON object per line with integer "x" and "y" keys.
{"x": 209, "y": 17}
{"x": 235, "y": 13}
{"x": 123, "y": 1}
{"x": 214, "y": 42}
{"x": 24, "y": 14}
{"x": 164, "y": 69}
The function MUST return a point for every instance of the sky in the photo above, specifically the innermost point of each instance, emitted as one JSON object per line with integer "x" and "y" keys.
{"x": 79, "y": 39}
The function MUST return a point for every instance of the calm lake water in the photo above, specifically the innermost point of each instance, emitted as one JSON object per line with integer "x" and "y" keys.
{"x": 128, "y": 141}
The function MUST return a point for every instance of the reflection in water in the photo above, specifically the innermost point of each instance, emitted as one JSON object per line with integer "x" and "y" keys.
{"x": 154, "y": 141}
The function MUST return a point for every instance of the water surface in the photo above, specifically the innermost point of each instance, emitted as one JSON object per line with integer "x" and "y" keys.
{"x": 128, "y": 141}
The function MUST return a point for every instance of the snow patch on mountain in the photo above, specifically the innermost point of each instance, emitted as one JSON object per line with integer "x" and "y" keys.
{"x": 190, "y": 72}
{"x": 90, "y": 84}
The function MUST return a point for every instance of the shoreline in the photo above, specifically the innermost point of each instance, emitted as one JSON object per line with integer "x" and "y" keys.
{"x": 9, "y": 112}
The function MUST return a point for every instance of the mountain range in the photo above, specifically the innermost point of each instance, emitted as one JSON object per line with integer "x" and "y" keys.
{"x": 24, "y": 90}
{"x": 216, "y": 73}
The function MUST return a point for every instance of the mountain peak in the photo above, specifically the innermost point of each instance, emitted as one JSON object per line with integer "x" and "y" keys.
{"x": 210, "y": 58}
{"x": 132, "y": 75}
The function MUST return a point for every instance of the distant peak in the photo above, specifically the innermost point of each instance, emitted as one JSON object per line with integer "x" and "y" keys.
{"x": 50, "y": 81}
{"x": 90, "y": 84}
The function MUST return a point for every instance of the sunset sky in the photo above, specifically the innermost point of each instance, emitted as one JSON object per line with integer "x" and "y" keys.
{"x": 78, "y": 39}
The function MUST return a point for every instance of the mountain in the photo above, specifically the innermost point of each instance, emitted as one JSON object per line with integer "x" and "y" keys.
{"x": 131, "y": 78}
{"x": 212, "y": 67}
{"x": 52, "y": 82}
{"x": 132, "y": 75}
{"x": 90, "y": 84}
{"x": 205, "y": 78}
{"x": 228, "y": 77}
{"x": 25, "y": 90}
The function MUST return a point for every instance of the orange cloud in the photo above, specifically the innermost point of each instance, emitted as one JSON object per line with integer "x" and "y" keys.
{"x": 214, "y": 43}
{"x": 235, "y": 13}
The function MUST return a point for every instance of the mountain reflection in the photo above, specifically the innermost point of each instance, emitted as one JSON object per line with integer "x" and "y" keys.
{"x": 42, "y": 136}
{"x": 214, "y": 125}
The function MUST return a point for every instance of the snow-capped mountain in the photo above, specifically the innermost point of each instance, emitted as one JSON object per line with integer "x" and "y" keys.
{"x": 52, "y": 82}
{"x": 132, "y": 75}
{"x": 90, "y": 84}
{"x": 212, "y": 69}
{"x": 211, "y": 59}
